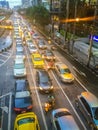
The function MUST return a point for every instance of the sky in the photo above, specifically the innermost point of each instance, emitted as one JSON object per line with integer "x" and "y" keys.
{"x": 13, "y": 3}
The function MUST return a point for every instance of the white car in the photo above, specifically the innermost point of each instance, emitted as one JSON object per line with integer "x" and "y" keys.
{"x": 33, "y": 49}
{"x": 64, "y": 119}
{"x": 36, "y": 36}
{"x": 19, "y": 68}
{"x": 20, "y": 55}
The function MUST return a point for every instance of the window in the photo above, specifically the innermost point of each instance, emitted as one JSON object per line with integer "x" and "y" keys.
{"x": 57, "y": 125}
{"x": 86, "y": 105}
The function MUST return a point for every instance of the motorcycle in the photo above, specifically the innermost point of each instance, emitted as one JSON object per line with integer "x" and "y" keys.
{"x": 50, "y": 65}
{"x": 49, "y": 105}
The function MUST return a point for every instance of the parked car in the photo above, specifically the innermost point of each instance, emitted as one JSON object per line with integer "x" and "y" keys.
{"x": 44, "y": 81}
{"x": 21, "y": 85}
{"x": 62, "y": 119}
{"x": 26, "y": 121}
{"x": 22, "y": 101}
{"x": 88, "y": 105}
{"x": 19, "y": 68}
{"x": 63, "y": 72}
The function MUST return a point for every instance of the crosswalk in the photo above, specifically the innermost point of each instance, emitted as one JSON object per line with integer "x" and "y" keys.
{"x": 4, "y": 56}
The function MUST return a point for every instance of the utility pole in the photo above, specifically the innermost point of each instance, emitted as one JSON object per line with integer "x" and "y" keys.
{"x": 74, "y": 26}
{"x": 67, "y": 16}
{"x": 75, "y": 15}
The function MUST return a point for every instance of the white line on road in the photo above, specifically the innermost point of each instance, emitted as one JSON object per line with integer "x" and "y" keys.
{"x": 46, "y": 128}
{"x": 69, "y": 102}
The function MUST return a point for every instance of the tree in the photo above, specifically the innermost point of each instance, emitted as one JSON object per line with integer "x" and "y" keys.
{"x": 39, "y": 13}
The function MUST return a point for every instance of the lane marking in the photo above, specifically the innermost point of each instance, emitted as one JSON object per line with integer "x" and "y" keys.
{"x": 39, "y": 101}
{"x": 69, "y": 102}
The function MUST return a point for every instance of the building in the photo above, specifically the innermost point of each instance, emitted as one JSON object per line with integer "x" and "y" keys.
{"x": 26, "y": 3}
{"x": 4, "y": 4}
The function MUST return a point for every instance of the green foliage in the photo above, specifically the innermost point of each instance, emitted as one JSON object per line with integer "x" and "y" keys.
{"x": 39, "y": 13}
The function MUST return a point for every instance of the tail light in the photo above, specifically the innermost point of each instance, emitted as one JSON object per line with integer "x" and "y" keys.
{"x": 30, "y": 107}
{"x": 17, "y": 109}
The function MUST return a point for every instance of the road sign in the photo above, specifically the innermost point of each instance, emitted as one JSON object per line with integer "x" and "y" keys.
{"x": 94, "y": 37}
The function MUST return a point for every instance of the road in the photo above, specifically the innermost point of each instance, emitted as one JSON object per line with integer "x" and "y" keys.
{"x": 65, "y": 94}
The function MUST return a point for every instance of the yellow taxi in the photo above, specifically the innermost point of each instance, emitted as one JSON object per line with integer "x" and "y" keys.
{"x": 37, "y": 60}
{"x": 63, "y": 72}
{"x": 26, "y": 121}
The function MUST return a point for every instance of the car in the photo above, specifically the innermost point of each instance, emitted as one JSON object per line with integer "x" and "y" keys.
{"x": 29, "y": 42}
{"x": 22, "y": 101}
{"x": 35, "y": 36}
{"x": 20, "y": 55}
{"x": 26, "y": 121}
{"x": 19, "y": 68}
{"x": 41, "y": 45}
{"x": 63, "y": 72}
{"x": 18, "y": 39}
{"x": 37, "y": 60}
{"x": 33, "y": 49}
{"x": 88, "y": 105}
{"x": 44, "y": 81}
{"x": 62, "y": 119}
{"x": 48, "y": 55}
{"x": 19, "y": 48}
{"x": 21, "y": 85}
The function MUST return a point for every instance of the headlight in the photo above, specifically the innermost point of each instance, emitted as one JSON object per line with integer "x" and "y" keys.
{"x": 51, "y": 87}
{"x": 40, "y": 88}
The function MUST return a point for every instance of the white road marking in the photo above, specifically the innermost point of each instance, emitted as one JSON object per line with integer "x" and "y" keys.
{"x": 69, "y": 102}
{"x": 46, "y": 128}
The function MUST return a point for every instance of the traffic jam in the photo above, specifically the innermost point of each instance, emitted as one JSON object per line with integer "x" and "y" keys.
{"x": 47, "y": 93}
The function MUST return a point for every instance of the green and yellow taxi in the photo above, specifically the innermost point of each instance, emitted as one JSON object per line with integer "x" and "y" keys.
{"x": 26, "y": 121}
{"x": 37, "y": 60}
{"x": 64, "y": 72}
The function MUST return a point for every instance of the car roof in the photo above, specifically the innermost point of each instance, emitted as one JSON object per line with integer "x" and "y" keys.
{"x": 90, "y": 98}
{"x": 68, "y": 123}
{"x": 27, "y": 115}
{"x": 42, "y": 72}
{"x": 65, "y": 121}
{"x": 22, "y": 94}
{"x": 21, "y": 85}
{"x": 61, "y": 65}
{"x": 19, "y": 60}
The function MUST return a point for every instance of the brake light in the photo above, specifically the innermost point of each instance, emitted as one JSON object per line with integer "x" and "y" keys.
{"x": 17, "y": 109}
{"x": 30, "y": 107}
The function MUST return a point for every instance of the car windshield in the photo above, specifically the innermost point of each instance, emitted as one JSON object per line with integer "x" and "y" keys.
{"x": 41, "y": 43}
{"x": 64, "y": 71}
{"x": 19, "y": 66}
{"x": 95, "y": 111}
{"x": 19, "y": 53}
{"x": 26, "y": 120}
{"x": 37, "y": 59}
{"x": 49, "y": 54}
{"x": 44, "y": 79}
{"x": 60, "y": 114}
{"x": 32, "y": 47}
